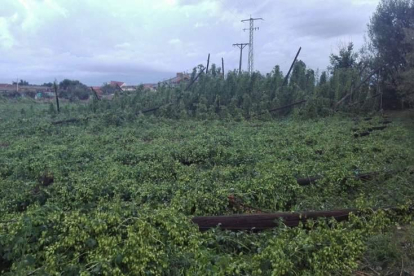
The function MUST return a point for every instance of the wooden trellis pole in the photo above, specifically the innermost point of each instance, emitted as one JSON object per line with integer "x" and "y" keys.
{"x": 57, "y": 97}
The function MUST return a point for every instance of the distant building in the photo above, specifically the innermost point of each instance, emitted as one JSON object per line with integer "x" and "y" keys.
{"x": 5, "y": 87}
{"x": 147, "y": 86}
{"x": 150, "y": 86}
{"x": 129, "y": 87}
{"x": 12, "y": 90}
{"x": 44, "y": 95}
{"x": 117, "y": 83}
{"x": 177, "y": 80}
{"x": 108, "y": 97}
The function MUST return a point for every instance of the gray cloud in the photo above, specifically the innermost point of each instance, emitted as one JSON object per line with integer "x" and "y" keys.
{"x": 140, "y": 41}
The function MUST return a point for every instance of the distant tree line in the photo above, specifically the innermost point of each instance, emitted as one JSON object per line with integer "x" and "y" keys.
{"x": 21, "y": 82}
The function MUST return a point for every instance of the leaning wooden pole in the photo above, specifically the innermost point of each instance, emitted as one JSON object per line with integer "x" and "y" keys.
{"x": 57, "y": 97}
{"x": 355, "y": 89}
{"x": 208, "y": 62}
{"x": 193, "y": 81}
{"x": 96, "y": 94}
{"x": 291, "y": 67}
{"x": 222, "y": 66}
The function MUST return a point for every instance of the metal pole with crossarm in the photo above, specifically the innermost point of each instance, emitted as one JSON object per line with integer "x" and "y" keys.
{"x": 251, "y": 51}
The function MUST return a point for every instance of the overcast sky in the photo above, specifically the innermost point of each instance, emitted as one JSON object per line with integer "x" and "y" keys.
{"x": 137, "y": 41}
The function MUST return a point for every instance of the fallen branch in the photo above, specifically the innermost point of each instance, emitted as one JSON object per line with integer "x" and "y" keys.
{"x": 73, "y": 120}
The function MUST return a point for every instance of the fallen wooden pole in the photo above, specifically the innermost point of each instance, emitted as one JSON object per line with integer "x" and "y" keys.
{"x": 151, "y": 109}
{"x": 377, "y": 128}
{"x": 310, "y": 180}
{"x": 193, "y": 81}
{"x": 73, "y": 120}
{"x": 374, "y": 128}
{"x": 369, "y": 130}
{"x": 281, "y": 108}
{"x": 260, "y": 222}
{"x": 286, "y": 106}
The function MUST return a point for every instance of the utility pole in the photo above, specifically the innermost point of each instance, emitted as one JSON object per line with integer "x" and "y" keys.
{"x": 222, "y": 66}
{"x": 241, "y": 47}
{"x": 251, "y": 52}
{"x": 291, "y": 67}
{"x": 55, "y": 87}
{"x": 208, "y": 62}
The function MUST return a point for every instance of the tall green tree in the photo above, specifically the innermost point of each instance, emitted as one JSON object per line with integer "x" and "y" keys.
{"x": 323, "y": 79}
{"x": 73, "y": 89}
{"x": 298, "y": 78}
{"x": 387, "y": 32}
{"x": 406, "y": 78}
{"x": 346, "y": 58}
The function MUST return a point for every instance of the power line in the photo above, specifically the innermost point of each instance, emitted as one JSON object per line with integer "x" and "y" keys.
{"x": 251, "y": 52}
{"x": 241, "y": 47}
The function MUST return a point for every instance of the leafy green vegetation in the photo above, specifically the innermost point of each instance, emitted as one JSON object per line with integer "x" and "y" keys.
{"x": 390, "y": 252}
{"x": 111, "y": 187}
{"x": 115, "y": 193}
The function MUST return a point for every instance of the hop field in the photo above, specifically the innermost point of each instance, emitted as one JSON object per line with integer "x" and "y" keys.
{"x": 110, "y": 196}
